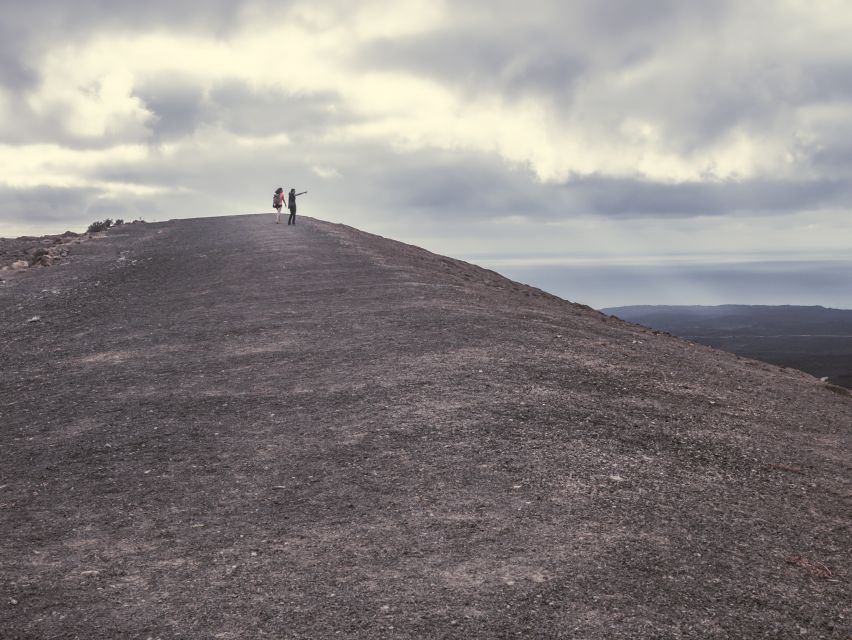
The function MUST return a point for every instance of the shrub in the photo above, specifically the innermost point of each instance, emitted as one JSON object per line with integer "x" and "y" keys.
{"x": 118, "y": 222}
{"x": 99, "y": 225}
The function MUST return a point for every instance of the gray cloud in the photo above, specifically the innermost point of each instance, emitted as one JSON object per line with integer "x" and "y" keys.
{"x": 15, "y": 73}
{"x": 447, "y": 184}
{"x": 30, "y": 29}
{"x": 700, "y": 74}
{"x": 546, "y": 46}
{"x": 42, "y": 19}
{"x": 177, "y": 106}
{"x": 248, "y": 111}
{"x": 685, "y": 67}
{"x": 471, "y": 61}
{"x": 481, "y": 186}
{"x": 180, "y": 105}
{"x": 48, "y": 204}
{"x": 49, "y": 126}
{"x": 626, "y": 197}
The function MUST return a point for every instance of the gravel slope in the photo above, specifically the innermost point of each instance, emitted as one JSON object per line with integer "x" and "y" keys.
{"x": 227, "y": 428}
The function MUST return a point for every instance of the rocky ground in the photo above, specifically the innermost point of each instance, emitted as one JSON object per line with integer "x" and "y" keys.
{"x": 21, "y": 253}
{"x": 227, "y": 428}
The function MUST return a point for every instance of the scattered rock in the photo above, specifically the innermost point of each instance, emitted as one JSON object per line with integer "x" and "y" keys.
{"x": 42, "y": 260}
{"x": 35, "y": 319}
{"x": 20, "y": 265}
{"x": 842, "y": 391}
{"x": 813, "y": 567}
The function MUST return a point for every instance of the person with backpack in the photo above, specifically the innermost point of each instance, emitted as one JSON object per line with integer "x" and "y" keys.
{"x": 291, "y": 204}
{"x": 277, "y": 203}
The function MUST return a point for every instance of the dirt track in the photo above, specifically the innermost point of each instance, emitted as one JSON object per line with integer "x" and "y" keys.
{"x": 227, "y": 428}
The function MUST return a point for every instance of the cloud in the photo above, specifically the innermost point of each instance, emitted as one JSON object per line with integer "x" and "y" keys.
{"x": 48, "y": 204}
{"x": 245, "y": 110}
{"x": 15, "y": 74}
{"x": 428, "y": 117}
{"x": 632, "y": 197}
{"x": 483, "y": 187}
{"x": 669, "y": 91}
{"x": 471, "y": 61}
{"x": 176, "y": 104}
{"x": 179, "y": 105}
{"x": 32, "y": 30}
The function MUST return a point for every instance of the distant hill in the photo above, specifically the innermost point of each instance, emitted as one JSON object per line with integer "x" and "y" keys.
{"x": 814, "y": 339}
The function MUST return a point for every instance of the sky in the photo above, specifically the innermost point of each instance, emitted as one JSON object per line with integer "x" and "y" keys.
{"x": 610, "y": 151}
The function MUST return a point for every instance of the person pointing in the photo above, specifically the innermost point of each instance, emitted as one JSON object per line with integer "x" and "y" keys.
{"x": 291, "y": 204}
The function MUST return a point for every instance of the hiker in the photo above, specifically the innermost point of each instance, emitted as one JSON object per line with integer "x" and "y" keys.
{"x": 277, "y": 203}
{"x": 291, "y": 204}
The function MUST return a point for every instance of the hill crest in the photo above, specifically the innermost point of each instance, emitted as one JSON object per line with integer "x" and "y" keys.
{"x": 226, "y": 426}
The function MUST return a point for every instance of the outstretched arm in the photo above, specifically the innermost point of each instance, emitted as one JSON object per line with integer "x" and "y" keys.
{"x": 301, "y": 194}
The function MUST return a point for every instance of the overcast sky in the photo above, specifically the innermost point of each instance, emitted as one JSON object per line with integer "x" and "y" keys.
{"x": 611, "y": 151}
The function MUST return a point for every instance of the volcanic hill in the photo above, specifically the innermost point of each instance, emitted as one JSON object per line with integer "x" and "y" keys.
{"x": 228, "y": 428}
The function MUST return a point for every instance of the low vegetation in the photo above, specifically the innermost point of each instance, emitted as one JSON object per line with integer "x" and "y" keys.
{"x": 99, "y": 225}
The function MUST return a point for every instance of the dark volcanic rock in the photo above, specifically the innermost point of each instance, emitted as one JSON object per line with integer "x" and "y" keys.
{"x": 35, "y": 251}
{"x": 230, "y": 428}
